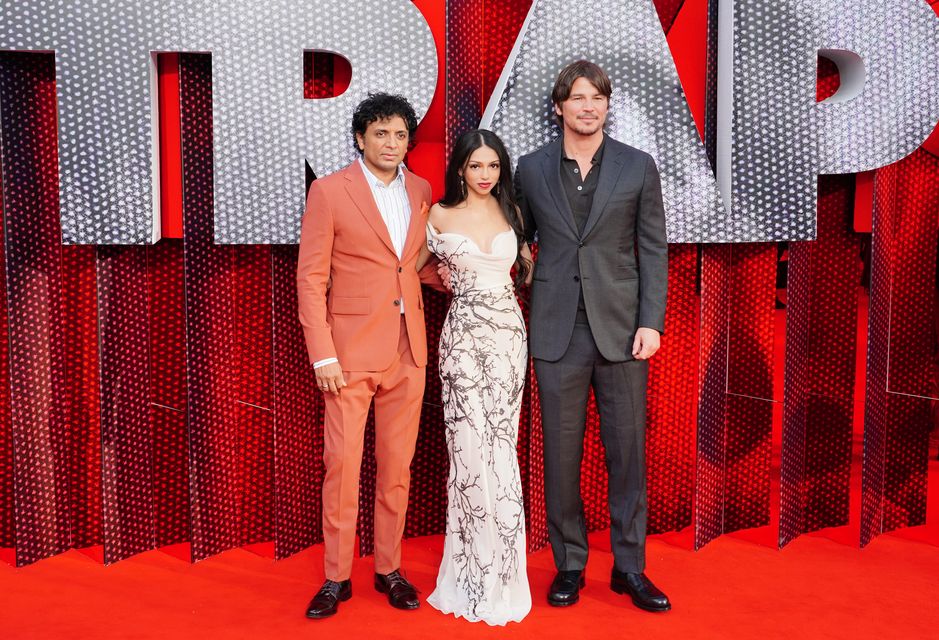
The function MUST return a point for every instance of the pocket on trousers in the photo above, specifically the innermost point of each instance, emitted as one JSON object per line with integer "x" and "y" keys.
{"x": 350, "y": 306}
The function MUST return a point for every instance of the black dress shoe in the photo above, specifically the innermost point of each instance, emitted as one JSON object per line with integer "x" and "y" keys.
{"x": 326, "y": 601}
{"x": 645, "y": 595}
{"x": 401, "y": 593}
{"x": 565, "y": 589}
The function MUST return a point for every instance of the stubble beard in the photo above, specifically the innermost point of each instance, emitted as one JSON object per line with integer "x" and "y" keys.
{"x": 586, "y": 129}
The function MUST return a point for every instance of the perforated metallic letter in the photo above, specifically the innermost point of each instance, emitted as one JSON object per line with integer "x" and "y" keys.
{"x": 263, "y": 128}
{"x": 774, "y": 138}
{"x": 648, "y": 109}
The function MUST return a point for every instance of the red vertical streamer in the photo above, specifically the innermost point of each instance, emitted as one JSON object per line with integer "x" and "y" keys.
{"x": 298, "y": 419}
{"x": 253, "y": 396}
{"x": 7, "y": 533}
{"x": 126, "y": 432}
{"x": 82, "y": 366}
{"x": 896, "y": 426}
{"x": 821, "y": 327}
{"x": 34, "y": 304}
{"x": 213, "y": 428}
{"x": 168, "y": 386}
{"x": 672, "y": 408}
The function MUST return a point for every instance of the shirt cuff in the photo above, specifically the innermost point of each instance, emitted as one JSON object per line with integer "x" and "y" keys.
{"x": 324, "y": 362}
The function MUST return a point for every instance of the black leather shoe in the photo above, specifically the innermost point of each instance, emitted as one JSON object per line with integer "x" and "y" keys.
{"x": 326, "y": 601}
{"x": 565, "y": 589}
{"x": 645, "y": 595}
{"x": 401, "y": 593}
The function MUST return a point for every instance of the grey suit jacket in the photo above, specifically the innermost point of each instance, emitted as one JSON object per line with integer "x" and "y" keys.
{"x": 620, "y": 260}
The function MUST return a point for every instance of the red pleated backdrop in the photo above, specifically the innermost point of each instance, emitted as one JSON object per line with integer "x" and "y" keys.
{"x": 159, "y": 395}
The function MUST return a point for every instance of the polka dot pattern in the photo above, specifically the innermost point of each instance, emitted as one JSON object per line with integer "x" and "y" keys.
{"x": 79, "y": 277}
{"x": 37, "y": 375}
{"x": 489, "y": 30}
{"x": 835, "y": 137}
{"x": 751, "y": 292}
{"x": 230, "y": 434}
{"x": 126, "y": 431}
{"x": 821, "y": 339}
{"x": 201, "y": 350}
{"x": 105, "y": 100}
{"x": 672, "y": 407}
{"x": 298, "y": 419}
{"x": 896, "y": 427}
{"x": 648, "y": 108}
{"x": 734, "y": 430}
{"x": 7, "y": 532}
{"x": 168, "y": 391}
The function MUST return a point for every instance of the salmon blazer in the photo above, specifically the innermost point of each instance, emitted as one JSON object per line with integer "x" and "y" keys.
{"x": 344, "y": 239}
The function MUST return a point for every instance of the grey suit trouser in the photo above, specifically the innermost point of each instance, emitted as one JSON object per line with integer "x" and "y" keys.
{"x": 620, "y": 391}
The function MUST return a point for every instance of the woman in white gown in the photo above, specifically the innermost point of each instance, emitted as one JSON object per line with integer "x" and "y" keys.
{"x": 477, "y": 232}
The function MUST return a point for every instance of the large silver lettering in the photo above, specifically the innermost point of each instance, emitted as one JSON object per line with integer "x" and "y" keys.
{"x": 263, "y": 127}
{"x": 648, "y": 109}
{"x": 774, "y": 138}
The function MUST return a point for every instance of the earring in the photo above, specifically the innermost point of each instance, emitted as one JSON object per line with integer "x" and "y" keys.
{"x": 463, "y": 187}
{"x": 495, "y": 191}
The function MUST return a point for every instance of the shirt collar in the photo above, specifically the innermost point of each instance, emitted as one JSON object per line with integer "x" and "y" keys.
{"x": 597, "y": 155}
{"x": 373, "y": 180}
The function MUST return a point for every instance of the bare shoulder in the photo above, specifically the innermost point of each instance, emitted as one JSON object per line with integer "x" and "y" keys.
{"x": 437, "y": 215}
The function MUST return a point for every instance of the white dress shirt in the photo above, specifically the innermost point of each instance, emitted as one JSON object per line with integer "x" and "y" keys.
{"x": 395, "y": 209}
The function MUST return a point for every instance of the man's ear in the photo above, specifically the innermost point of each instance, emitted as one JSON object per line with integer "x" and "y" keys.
{"x": 360, "y": 141}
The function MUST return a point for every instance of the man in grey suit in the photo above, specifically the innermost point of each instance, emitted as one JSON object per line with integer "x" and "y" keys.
{"x": 597, "y": 311}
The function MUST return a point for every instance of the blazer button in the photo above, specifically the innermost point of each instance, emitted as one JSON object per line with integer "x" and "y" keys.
{"x": 397, "y": 302}
{"x": 580, "y": 245}
{"x": 399, "y": 269}
{"x": 576, "y": 278}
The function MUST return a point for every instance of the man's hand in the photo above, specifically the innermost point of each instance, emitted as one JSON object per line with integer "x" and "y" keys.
{"x": 646, "y": 343}
{"x": 329, "y": 378}
{"x": 444, "y": 272}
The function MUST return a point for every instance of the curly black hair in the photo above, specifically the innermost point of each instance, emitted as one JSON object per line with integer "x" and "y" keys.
{"x": 381, "y": 106}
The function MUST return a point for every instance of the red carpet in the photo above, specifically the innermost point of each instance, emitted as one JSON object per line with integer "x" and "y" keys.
{"x": 739, "y": 586}
{"x": 733, "y": 588}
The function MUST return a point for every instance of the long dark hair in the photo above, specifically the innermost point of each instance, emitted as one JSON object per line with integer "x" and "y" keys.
{"x": 455, "y": 194}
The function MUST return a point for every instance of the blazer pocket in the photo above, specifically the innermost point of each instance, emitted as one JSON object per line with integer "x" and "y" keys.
{"x": 623, "y": 197}
{"x": 350, "y": 306}
{"x": 623, "y": 272}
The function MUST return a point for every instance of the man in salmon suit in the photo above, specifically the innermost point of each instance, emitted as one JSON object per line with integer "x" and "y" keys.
{"x": 363, "y": 320}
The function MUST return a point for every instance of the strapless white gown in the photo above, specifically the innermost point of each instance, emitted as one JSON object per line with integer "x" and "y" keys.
{"x": 483, "y": 360}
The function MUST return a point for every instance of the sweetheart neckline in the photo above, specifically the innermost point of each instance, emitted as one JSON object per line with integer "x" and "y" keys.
{"x": 478, "y": 248}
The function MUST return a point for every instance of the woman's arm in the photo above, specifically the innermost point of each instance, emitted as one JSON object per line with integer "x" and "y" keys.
{"x": 423, "y": 257}
{"x": 526, "y": 253}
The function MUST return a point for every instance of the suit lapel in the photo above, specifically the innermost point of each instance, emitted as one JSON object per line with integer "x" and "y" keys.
{"x": 610, "y": 167}
{"x": 361, "y": 195}
{"x": 551, "y": 165}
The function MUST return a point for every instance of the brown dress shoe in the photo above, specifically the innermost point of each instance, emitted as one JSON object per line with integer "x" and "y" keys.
{"x": 401, "y": 593}
{"x": 326, "y": 601}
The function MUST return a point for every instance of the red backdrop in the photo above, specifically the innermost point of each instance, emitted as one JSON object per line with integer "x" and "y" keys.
{"x": 161, "y": 395}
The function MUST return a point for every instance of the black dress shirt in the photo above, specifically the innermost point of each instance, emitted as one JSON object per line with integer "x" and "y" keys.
{"x": 581, "y": 188}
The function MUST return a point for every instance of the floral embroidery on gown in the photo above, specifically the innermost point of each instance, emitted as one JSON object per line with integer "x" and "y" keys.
{"x": 483, "y": 360}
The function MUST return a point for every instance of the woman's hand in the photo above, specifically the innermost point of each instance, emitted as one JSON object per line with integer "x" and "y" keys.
{"x": 526, "y": 253}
